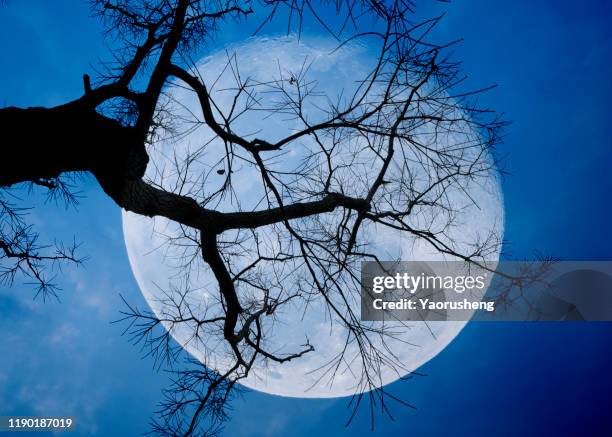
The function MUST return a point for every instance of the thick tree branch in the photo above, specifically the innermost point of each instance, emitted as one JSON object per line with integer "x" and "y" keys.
{"x": 144, "y": 199}
{"x": 42, "y": 143}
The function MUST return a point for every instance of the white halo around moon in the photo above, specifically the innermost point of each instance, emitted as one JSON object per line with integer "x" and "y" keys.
{"x": 156, "y": 264}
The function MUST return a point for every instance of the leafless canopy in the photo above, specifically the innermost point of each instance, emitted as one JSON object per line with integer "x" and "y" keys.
{"x": 379, "y": 156}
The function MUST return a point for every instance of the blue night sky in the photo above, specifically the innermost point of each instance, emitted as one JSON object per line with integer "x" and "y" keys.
{"x": 552, "y": 61}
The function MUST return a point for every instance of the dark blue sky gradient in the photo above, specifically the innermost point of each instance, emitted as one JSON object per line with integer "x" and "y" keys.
{"x": 552, "y": 61}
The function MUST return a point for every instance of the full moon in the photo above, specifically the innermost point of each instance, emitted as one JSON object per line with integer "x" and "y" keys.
{"x": 158, "y": 250}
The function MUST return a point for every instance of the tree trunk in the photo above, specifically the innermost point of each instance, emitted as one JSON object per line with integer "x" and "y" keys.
{"x": 42, "y": 143}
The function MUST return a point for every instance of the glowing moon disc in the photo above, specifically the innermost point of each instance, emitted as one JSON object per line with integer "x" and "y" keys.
{"x": 157, "y": 269}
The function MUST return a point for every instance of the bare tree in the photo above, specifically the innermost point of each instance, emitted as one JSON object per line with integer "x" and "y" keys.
{"x": 377, "y": 157}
